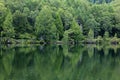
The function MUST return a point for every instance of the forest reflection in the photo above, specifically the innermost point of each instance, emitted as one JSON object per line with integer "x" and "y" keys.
{"x": 60, "y": 62}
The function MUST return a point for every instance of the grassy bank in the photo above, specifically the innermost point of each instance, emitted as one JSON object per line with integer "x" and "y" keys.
{"x": 99, "y": 40}
{"x": 20, "y": 41}
{"x": 113, "y": 40}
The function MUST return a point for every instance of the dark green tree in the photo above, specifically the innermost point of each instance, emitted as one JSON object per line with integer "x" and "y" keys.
{"x": 21, "y": 24}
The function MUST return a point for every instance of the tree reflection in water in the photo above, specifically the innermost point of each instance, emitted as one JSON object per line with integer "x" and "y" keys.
{"x": 60, "y": 62}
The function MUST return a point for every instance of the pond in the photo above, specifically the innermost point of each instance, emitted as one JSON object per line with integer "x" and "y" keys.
{"x": 60, "y": 62}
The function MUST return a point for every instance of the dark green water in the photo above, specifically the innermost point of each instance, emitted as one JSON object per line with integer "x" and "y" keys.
{"x": 54, "y": 62}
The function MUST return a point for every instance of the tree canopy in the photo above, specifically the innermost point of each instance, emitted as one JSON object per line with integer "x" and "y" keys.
{"x": 53, "y": 19}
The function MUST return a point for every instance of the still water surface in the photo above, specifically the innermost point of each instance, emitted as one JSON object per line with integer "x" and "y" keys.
{"x": 53, "y": 62}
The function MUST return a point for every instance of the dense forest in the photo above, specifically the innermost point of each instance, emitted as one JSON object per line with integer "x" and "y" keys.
{"x": 59, "y": 20}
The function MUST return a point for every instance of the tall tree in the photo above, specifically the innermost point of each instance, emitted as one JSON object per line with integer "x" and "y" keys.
{"x": 8, "y": 29}
{"x": 3, "y": 10}
{"x": 45, "y": 25}
{"x": 59, "y": 26}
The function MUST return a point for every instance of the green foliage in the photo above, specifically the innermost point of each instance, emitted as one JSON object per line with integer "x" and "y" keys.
{"x": 45, "y": 25}
{"x": 53, "y": 20}
{"x": 59, "y": 26}
{"x": 21, "y": 23}
{"x": 99, "y": 39}
{"x": 2, "y": 15}
{"x": 8, "y": 29}
{"x": 106, "y": 35}
{"x": 74, "y": 33}
{"x": 77, "y": 31}
{"x": 66, "y": 17}
{"x": 27, "y": 36}
{"x": 65, "y": 37}
{"x": 91, "y": 34}
{"x": 92, "y": 24}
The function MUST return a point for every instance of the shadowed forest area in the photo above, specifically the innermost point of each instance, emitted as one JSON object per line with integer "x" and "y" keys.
{"x": 35, "y": 21}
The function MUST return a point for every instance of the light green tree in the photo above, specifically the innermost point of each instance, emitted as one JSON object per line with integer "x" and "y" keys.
{"x": 91, "y": 34}
{"x": 45, "y": 26}
{"x": 74, "y": 33}
{"x": 3, "y": 10}
{"x": 59, "y": 26}
{"x": 106, "y": 35}
{"x": 8, "y": 29}
{"x": 77, "y": 31}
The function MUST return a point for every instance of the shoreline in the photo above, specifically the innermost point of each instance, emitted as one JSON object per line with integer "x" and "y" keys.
{"x": 86, "y": 41}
